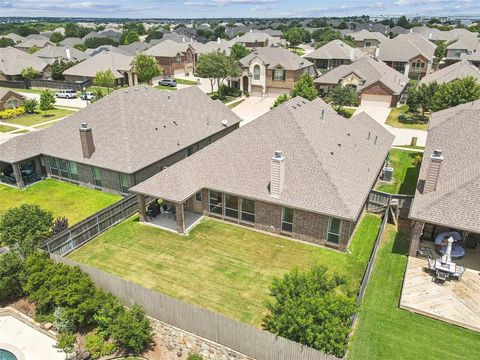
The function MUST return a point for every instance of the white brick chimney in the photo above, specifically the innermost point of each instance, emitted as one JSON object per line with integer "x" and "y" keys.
{"x": 433, "y": 171}
{"x": 277, "y": 173}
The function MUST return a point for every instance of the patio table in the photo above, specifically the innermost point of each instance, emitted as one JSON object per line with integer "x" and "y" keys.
{"x": 447, "y": 267}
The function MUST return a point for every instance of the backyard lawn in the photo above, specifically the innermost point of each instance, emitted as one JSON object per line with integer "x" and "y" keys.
{"x": 61, "y": 198}
{"x": 412, "y": 124}
{"x": 219, "y": 266}
{"x": 384, "y": 331}
{"x": 405, "y": 173}
{"x": 39, "y": 117}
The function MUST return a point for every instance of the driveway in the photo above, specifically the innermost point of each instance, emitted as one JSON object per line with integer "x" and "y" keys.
{"x": 378, "y": 113}
{"x": 252, "y": 108}
{"x": 77, "y": 103}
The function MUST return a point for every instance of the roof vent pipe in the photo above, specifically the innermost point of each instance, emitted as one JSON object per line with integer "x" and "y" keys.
{"x": 433, "y": 172}
{"x": 368, "y": 137}
{"x": 277, "y": 173}
{"x": 321, "y": 114}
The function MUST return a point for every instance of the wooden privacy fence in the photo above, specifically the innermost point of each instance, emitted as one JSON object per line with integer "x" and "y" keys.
{"x": 80, "y": 233}
{"x": 59, "y": 84}
{"x": 233, "y": 334}
{"x": 378, "y": 201}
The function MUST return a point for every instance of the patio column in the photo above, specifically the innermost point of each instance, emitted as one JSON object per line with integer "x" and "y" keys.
{"x": 130, "y": 80}
{"x": 18, "y": 175}
{"x": 142, "y": 207}
{"x": 38, "y": 166}
{"x": 417, "y": 231}
{"x": 180, "y": 218}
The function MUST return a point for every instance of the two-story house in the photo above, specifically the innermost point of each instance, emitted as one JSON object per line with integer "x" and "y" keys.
{"x": 173, "y": 57}
{"x": 333, "y": 54}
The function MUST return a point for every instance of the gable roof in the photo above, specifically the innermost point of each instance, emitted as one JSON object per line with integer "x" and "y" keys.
{"x": 368, "y": 35}
{"x": 454, "y": 203}
{"x": 60, "y": 52}
{"x": 405, "y": 47}
{"x": 253, "y": 37}
{"x": 13, "y": 61}
{"x": 5, "y": 91}
{"x": 458, "y": 70}
{"x": 71, "y": 41}
{"x": 273, "y": 57}
{"x": 323, "y": 158}
{"x": 370, "y": 70}
{"x": 13, "y": 36}
{"x": 102, "y": 62}
{"x": 132, "y": 128}
{"x": 167, "y": 48}
{"x": 135, "y": 47}
{"x": 29, "y": 43}
{"x": 105, "y": 49}
{"x": 336, "y": 49}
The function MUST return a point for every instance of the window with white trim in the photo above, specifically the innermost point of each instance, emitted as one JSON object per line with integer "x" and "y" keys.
{"x": 278, "y": 74}
{"x": 256, "y": 72}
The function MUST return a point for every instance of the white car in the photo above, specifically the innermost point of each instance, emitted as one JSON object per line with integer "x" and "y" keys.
{"x": 87, "y": 96}
{"x": 66, "y": 94}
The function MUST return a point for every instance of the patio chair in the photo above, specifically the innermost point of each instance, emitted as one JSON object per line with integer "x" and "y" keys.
{"x": 431, "y": 264}
{"x": 441, "y": 276}
{"x": 459, "y": 270}
{"x": 425, "y": 251}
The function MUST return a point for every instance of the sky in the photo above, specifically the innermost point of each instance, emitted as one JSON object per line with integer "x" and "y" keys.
{"x": 235, "y": 8}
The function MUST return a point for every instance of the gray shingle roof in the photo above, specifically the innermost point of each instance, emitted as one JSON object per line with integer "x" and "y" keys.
{"x": 131, "y": 129}
{"x": 14, "y": 37}
{"x": 102, "y": 62}
{"x": 167, "y": 48}
{"x": 455, "y": 201}
{"x": 252, "y": 37}
{"x": 371, "y": 71}
{"x": 330, "y": 166}
{"x": 405, "y": 47}
{"x": 52, "y": 52}
{"x": 13, "y": 61}
{"x": 336, "y": 49}
{"x": 458, "y": 70}
{"x": 71, "y": 41}
{"x": 368, "y": 35}
{"x": 135, "y": 48}
{"x": 39, "y": 43}
{"x": 273, "y": 57}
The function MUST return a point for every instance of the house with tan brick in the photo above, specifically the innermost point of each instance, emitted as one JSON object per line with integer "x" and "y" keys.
{"x": 300, "y": 171}
{"x": 368, "y": 41}
{"x": 118, "y": 141}
{"x": 256, "y": 39}
{"x": 271, "y": 71}
{"x": 13, "y": 61}
{"x": 174, "y": 57}
{"x": 374, "y": 81}
{"x": 333, "y": 54}
{"x": 10, "y": 99}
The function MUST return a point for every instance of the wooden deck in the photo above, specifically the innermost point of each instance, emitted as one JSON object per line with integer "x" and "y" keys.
{"x": 457, "y": 302}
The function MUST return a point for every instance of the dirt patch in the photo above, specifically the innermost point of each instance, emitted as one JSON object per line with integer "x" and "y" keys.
{"x": 25, "y": 306}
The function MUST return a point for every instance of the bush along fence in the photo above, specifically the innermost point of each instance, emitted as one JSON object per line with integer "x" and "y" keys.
{"x": 233, "y": 334}
{"x": 78, "y": 234}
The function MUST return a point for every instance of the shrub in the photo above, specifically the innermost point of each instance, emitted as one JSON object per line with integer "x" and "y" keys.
{"x": 30, "y": 105}
{"x": 60, "y": 224}
{"x": 97, "y": 347}
{"x": 11, "y": 269}
{"x": 66, "y": 343}
{"x": 194, "y": 356}
{"x": 280, "y": 100}
{"x": 61, "y": 322}
{"x": 47, "y": 99}
{"x": 229, "y": 91}
{"x": 11, "y": 113}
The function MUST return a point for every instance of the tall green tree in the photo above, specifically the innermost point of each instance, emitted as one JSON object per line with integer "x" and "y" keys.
{"x": 6, "y": 42}
{"x": 147, "y": 68}
{"x": 47, "y": 99}
{"x": 59, "y": 66}
{"x": 280, "y": 100}
{"x": 216, "y": 66}
{"x": 129, "y": 37}
{"x": 29, "y": 73}
{"x": 294, "y": 36}
{"x": 403, "y": 22}
{"x": 56, "y": 37}
{"x": 238, "y": 51}
{"x": 105, "y": 79}
{"x": 11, "y": 283}
{"x": 305, "y": 88}
{"x": 457, "y": 92}
{"x": 342, "y": 96}
{"x": 421, "y": 97}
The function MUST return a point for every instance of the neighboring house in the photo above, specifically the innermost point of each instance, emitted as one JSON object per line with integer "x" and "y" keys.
{"x": 410, "y": 54}
{"x": 272, "y": 71}
{"x": 293, "y": 171}
{"x": 51, "y": 53}
{"x": 453, "y": 72}
{"x": 273, "y": 33}
{"x": 461, "y": 49}
{"x": 10, "y": 99}
{"x": 333, "y": 54}
{"x": 115, "y": 35}
{"x": 373, "y": 27}
{"x": 434, "y": 34}
{"x": 398, "y": 30}
{"x": 15, "y": 37}
{"x": 448, "y": 189}
{"x": 135, "y": 48}
{"x": 368, "y": 41}
{"x": 221, "y": 45}
{"x": 13, "y": 61}
{"x": 372, "y": 79}
{"x": 473, "y": 56}
{"x": 256, "y": 40}
{"x": 106, "y": 49}
{"x": 25, "y": 45}
{"x": 35, "y": 37}
{"x": 173, "y": 57}
{"x": 120, "y": 65}
{"x": 120, "y": 140}
{"x": 71, "y": 41}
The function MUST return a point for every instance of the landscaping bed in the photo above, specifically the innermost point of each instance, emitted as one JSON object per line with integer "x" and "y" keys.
{"x": 400, "y": 117}
{"x": 221, "y": 267}
{"x": 39, "y": 117}
{"x": 406, "y": 167}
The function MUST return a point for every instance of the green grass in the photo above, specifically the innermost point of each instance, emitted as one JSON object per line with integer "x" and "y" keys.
{"x": 384, "y": 331}
{"x": 297, "y": 50}
{"x": 403, "y": 110}
{"x": 21, "y": 131}
{"x": 39, "y": 117}
{"x": 405, "y": 173}
{"x": 168, "y": 88}
{"x": 6, "y": 128}
{"x": 61, "y": 198}
{"x": 186, "y": 82}
{"x": 29, "y": 91}
{"x": 346, "y": 112}
{"x": 219, "y": 266}
{"x": 236, "y": 103}
{"x": 412, "y": 147}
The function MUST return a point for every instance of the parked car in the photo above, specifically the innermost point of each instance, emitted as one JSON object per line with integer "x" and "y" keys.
{"x": 168, "y": 82}
{"x": 87, "y": 96}
{"x": 66, "y": 94}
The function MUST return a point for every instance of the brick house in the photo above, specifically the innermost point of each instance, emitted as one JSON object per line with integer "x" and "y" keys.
{"x": 10, "y": 99}
{"x": 372, "y": 79}
{"x": 253, "y": 40}
{"x": 294, "y": 171}
{"x": 368, "y": 41}
{"x": 120, "y": 140}
{"x": 333, "y": 54}
{"x": 271, "y": 71}
{"x": 458, "y": 70}
{"x": 174, "y": 57}
{"x": 13, "y": 61}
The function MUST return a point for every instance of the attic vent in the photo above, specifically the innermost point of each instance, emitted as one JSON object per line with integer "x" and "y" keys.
{"x": 164, "y": 126}
{"x": 175, "y": 123}
{"x": 294, "y": 107}
{"x": 348, "y": 134}
{"x": 321, "y": 114}
{"x": 156, "y": 128}
{"x": 339, "y": 145}
{"x": 225, "y": 122}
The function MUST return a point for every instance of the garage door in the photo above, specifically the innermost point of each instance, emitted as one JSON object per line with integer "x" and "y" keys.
{"x": 376, "y": 100}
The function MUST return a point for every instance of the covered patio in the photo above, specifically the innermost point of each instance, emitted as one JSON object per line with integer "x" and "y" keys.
{"x": 21, "y": 174}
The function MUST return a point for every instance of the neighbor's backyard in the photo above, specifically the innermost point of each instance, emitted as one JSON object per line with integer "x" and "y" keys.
{"x": 384, "y": 331}
{"x": 222, "y": 267}
{"x": 61, "y": 198}
{"x": 401, "y": 117}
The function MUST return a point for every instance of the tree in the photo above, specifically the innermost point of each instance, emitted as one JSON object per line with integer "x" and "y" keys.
{"x": 294, "y": 36}
{"x": 59, "y": 224}
{"x": 305, "y": 88}
{"x": 403, "y": 22}
{"x": 238, "y": 51}
{"x": 98, "y": 94}
{"x": 147, "y": 68}
{"x": 95, "y": 42}
{"x": 154, "y": 34}
{"x": 22, "y": 228}
{"x": 219, "y": 32}
{"x": 421, "y": 96}
{"x": 132, "y": 331}
{"x": 310, "y": 308}
{"x": 441, "y": 50}
{"x": 11, "y": 268}
{"x": 59, "y": 66}
{"x": 216, "y": 66}
{"x": 457, "y": 92}
{"x": 33, "y": 49}
{"x": 66, "y": 343}
{"x": 280, "y": 100}
{"x": 56, "y": 37}
{"x": 6, "y": 42}
{"x": 47, "y": 99}
{"x": 28, "y": 74}
{"x": 129, "y": 37}
{"x": 342, "y": 96}
{"x": 30, "y": 105}
{"x": 105, "y": 79}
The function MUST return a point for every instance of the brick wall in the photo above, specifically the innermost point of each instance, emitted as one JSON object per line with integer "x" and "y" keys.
{"x": 10, "y": 96}
{"x": 378, "y": 88}
{"x": 417, "y": 230}
{"x": 290, "y": 78}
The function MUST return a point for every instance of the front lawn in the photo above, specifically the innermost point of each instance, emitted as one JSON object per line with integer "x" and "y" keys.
{"x": 235, "y": 103}
{"x": 346, "y": 112}
{"x": 6, "y": 128}
{"x": 219, "y": 266}
{"x": 297, "y": 50}
{"x": 405, "y": 172}
{"x": 411, "y": 121}
{"x": 384, "y": 331}
{"x": 186, "y": 82}
{"x": 61, "y": 198}
{"x": 39, "y": 117}
{"x": 168, "y": 88}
